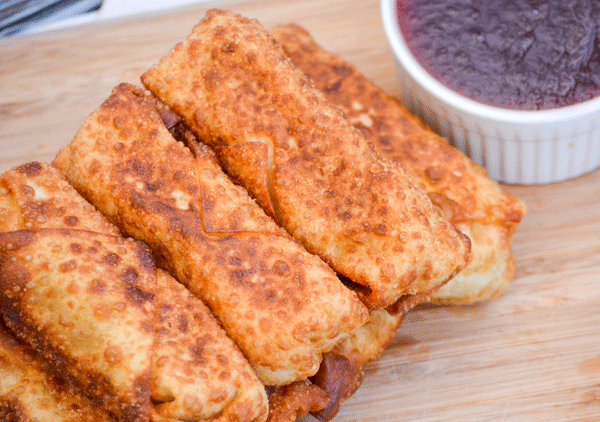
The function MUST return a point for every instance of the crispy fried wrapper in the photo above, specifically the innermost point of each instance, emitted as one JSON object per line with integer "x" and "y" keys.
{"x": 304, "y": 163}
{"x": 457, "y": 185}
{"x": 30, "y": 392}
{"x": 36, "y": 196}
{"x": 86, "y": 302}
{"x": 283, "y": 306}
{"x": 198, "y": 373}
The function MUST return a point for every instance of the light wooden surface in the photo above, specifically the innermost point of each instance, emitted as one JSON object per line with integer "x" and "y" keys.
{"x": 531, "y": 355}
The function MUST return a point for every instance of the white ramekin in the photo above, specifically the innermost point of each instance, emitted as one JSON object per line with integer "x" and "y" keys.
{"x": 521, "y": 147}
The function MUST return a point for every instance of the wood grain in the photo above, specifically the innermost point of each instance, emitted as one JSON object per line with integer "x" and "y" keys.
{"x": 531, "y": 355}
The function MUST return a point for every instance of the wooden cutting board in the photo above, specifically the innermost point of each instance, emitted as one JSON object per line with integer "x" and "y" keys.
{"x": 531, "y": 355}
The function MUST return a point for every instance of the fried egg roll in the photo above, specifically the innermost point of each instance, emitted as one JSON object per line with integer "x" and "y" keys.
{"x": 85, "y": 301}
{"x": 197, "y": 373}
{"x": 31, "y": 393}
{"x": 283, "y": 306}
{"x": 313, "y": 172}
{"x": 477, "y": 205}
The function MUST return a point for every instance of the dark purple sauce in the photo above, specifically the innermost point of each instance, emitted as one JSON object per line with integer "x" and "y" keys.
{"x": 521, "y": 54}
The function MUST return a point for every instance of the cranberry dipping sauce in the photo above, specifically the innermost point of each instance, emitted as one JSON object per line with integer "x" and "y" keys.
{"x": 516, "y": 54}
{"x": 512, "y": 84}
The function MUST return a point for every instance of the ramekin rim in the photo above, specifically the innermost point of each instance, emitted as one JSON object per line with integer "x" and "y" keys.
{"x": 463, "y": 103}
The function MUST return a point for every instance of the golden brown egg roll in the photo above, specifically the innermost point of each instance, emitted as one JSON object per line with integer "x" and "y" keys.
{"x": 86, "y": 302}
{"x": 198, "y": 373}
{"x": 283, "y": 306}
{"x": 477, "y": 205}
{"x": 29, "y": 392}
{"x": 302, "y": 161}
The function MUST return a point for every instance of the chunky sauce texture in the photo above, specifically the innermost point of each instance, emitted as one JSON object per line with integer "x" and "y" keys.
{"x": 518, "y": 54}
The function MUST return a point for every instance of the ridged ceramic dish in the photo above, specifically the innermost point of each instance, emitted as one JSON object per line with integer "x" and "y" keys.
{"x": 520, "y": 147}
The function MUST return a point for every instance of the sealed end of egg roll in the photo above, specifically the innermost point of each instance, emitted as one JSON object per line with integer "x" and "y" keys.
{"x": 283, "y": 306}
{"x": 302, "y": 161}
{"x": 477, "y": 205}
{"x": 290, "y": 402}
{"x": 197, "y": 372}
{"x": 342, "y": 370}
